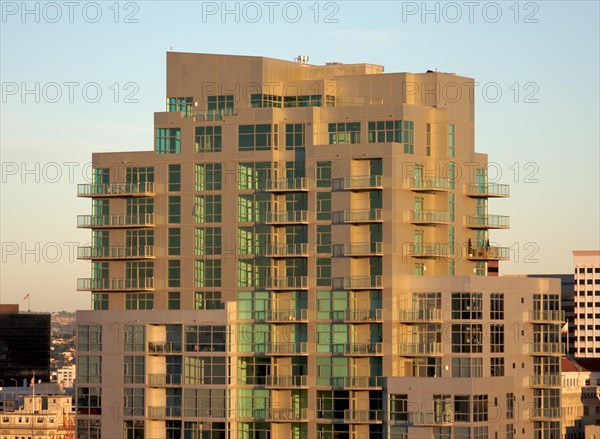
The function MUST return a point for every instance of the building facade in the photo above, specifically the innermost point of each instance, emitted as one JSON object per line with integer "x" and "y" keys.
{"x": 305, "y": 255}
{"x": 587, "y": 303}
{"x": 580, "y": 397}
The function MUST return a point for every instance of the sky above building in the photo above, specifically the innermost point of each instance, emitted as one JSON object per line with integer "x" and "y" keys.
{"x": 84, "y": 77}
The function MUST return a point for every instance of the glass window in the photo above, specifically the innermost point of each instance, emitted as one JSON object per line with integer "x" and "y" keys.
{"x": 208, "y": 139}
{"x": 294, "y": 136}
{"x": 174, "y": 178}
{"x": 344, "y": 132}
{"x": 174, "y": 242}
{"x": 174, "y": 209}
{"x": 209, "y": 176}
{"x": 168, "y": 140}
{"x": 207, "y": 208}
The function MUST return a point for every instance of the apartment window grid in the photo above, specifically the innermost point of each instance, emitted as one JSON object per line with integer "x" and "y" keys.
{"x": 259, "y": 137}
{"x": 204, "y": 338}
{"x": 220, "y": 104}
{"x": 208, "y": 139}
{"x": 89, "y": 369}
{"x": 138, "y": 174}
{"x": 324, "y": 172}
{"x": 480, "y": 408}
{"x": 139, "y": 301}
{"x": 174, "y": 273}
{"x": 266, "y": 101}
{"x": 173, "y": 300}
{"x": 205, "y": 370}
{"x": 207, "y": 241}
{"x": 295, "y": 136}
{"x": 398, "y": 408}
{"x": 208, "y": 176}
{"x": 497, "y": 306}
{"x": 174, "y": 209}
{"x": 207, "y": 273}
{"x": 323, "y": 239}
{"x": 323, "y": 206}
{"x": 99, "y": 301}
{"x": 168, "y": 140}
{"x": 133, "y": 369}
{"x": 302, "y": 101}
{"x": 496, "y": 338}
{"x": 344, "y": 133}
{"x": 207, "y": 209}
{"x": 133, "y": 401}
{"x": 467, "y": 306}
{"x": 183, "y": 105}
{"x": 134, "y": 338}
{"x": 497, "y": 366}
{"x": 510, "y": 405}
{"x": 467, "y": 367}
{"x": 428, "y": 139}
{"x": 174, "y": 178}
{"x": 89, "y": 338}
{"x": 174, "y": 241}
{"x": 467, "y": 338}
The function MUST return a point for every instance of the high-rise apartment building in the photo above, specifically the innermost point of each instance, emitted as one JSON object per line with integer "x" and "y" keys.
{"x": 587, "y": 303}
{"x": 304, "y": 255}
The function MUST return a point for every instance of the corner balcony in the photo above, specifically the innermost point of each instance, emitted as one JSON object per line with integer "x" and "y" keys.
{"x": 429, "y": 250}
{"x": 428, "y": 217}
{"x": 363, "y": 416}
{"x": 487, "y": 190}
{"x": 363, "y": 349}
{"x": 429, "y": 185}
{"x": 363, "y": 183}
{"x": 358, "y": 249}
{"x": 430, "y": 419}
{"x": 546, "y": 316}
{"x": 545, "y": 381}
{"x": 287, "y": 381}
{"x": 287, "y": 184}
{"x": 420, "y": 349}
{"x": 488, "y": 222}
{"x": 116, "y": 190}
{"x": 420, "y": 316}
{"x": 115, "y": 253}
{"x": 287, "y": 250}
{"x": 547, "y": 349}
{"x": 107, "y": 285}
{"x": 287, "y": 316}
{"x": 288, "y": 348}
{"x": 288, "y": 217}
{"x": 488, "y": 254}
{"x": 363, "y": 282}
{"x": 358, "y": 382}
{"x": 288, "y": 283}
{"x": 359, "y": 216}
{"x": 115, "y": 221}
{"x": 546, "y": 414}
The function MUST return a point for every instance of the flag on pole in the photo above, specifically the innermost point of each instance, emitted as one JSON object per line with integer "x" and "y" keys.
{"x": 565, "y": 328}
{"x": 26, "y": 296}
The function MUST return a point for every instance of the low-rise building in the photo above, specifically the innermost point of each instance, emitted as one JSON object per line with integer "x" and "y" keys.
{"x": 580, "y": 396}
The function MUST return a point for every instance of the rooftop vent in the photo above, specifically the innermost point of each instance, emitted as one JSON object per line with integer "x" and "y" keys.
{"x": 301, "y": 59}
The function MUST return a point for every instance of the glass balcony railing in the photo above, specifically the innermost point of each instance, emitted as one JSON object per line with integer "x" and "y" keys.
{"x": 359, "y": 349}
{"x": 287, "y": 217}
{"x": 363, "y": 182}
{"x": 362, "y": 282}
{"x": 164, "y": 380}
{"x": 162, "y": 412}
{"x": 420, "y": 315}
{"x": 541, "y": 413}
{"x": 488, "y": 253}
{"x": 287, "y": 283}
{"x": 429, "y": 184}
{"x": 141, "y": 284}
{"x": 287, "y": 315}
{"x": 358, "y": 382}
{"x": 547, "y": 349}
{"x": 363, "y": 248}
{"x": 107, "y": 253}
{"x": 145, "y": 189}
{"x": 487, "y": 190}
{"x": 488, "y": 222}
{"x": 426, "y": 217}
{"x": 420, "y": 349}
{"x": 287, "y": 381}
{"x": 539, "y": 316}
{"x": 545, "y": 381}
{"x": 287, "y": 184}
{"x": 363, "y": 416}
{"x": 363, "y": 216}
{"x": 115, "y": 221}
{"x": 287, "y": 250}
{"x": 288, "y": 348}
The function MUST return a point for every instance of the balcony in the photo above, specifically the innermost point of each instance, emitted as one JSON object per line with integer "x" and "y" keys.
{"x": 363, "y": 249}
{"x": 287, "y": 381}
{"x": 487, "y": 190}
{"x": 162, "y": 412}
{"x": 363, "y": 183}
{"x": 429, "y": 250}
{"x": 428, "y": 217}
{"x": 115, "y": 221}
{"x": 420, "y": 349}
{"x": 363, "y": 416}
{"x": 360, "y": 349}
{"x": 488, "y": 254}
{"x": 142, "y": 284}
{"x": 287, "y": 184}
{"x": 539, "y": 381}
{"x": 546, "y": 414}
{"x": 363, "y": 282}
{"x": 420, "y": 316}
{"x": 211, "y": 115}
{"x": 287, "y": 316}
{"x": 546, "y": 316}
{"x": 429, "y": 185}
{"x": 116, "y": 190}
{"x": 357, "y": 216}
{"x": 363, "y": 315}
{"x": 164, "y": 380}
{"x": 288, "y": 348}
{"x": 426, "y": 419}
{"x": 547, "y": 349}
{"x": 287, "y": 414}
{"x": 288, "y": 283}
{"x": 358, "y": 382}
{"x": 287, "y": 250}
{"x": 163, "y": 347}
{"x": 288, "y": 217}
{"x": 488, "y": 222}
{"x": 115, "y": 253}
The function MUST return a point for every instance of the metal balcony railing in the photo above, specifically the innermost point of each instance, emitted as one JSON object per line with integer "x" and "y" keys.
{"x": 429, "y": 184}
{"x": 544, "y": 349}
{"x": 488, "y": 222}
{"x": 287, "y": 217}
{"x": 487, "y": 190}
{"x": 363, "y": 216}
{"x": 363, "y": 282}
{"x": 141, "y": 284}
{"x": 488, "y": 253}
{"x": 420, "y": 349}
{"x": 363, "y": 182}
{"x": 287, "y": 250}
{"x": 115, "y": 221}
{"x": 425, "y": 217}
{"x": 145, "y": 189}
{"x": 420, "y": 315}
{"x": 287, "y": 184}
{"x": 363, "y": 249}
{"x": 115, "y": 252}
{"x": 553, "y": 316}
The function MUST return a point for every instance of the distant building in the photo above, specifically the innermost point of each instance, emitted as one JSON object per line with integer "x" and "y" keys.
{"x": 24, "y": 345}
{"x": 587, "y": 303}
{"x": 66, "y": 376}
{"x": 580, "y": 396}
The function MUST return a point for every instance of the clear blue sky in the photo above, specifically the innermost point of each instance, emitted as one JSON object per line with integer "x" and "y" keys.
{"x": 548, "y": 51}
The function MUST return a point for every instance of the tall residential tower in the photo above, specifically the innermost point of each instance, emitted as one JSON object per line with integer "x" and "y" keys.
{"x": 304, "y": 255}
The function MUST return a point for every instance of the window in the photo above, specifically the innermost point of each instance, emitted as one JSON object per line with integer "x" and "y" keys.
{"x": 324, "y": 239}
{"x": 89, "y": 338}
{"x": 344, "y": 132}
{"x": 168, "y": 140}
{"x": 302, "y": 101}
{"x": 254, "y": 370}
{"x": 209, "y": 176}
{"x": 207, "y": 208}
{"x": 398, "y": 408}
{"x": 428, "y": 139}
{"x": 89, "y": 369}
{"x": 497, "y": 366}
{"x": 260, "y": 137}
{"x": 133, "y": 369}
{"x": 133, "y": 429}
{"x": 174, "y": 273}
{"x": 323, "y": 206}
{"x": 205, "y": 338}
{"x": 207, "y": 273}
{"x": 133, "y": 338}
{"x": 467, "y": 338}
{"x": 294, "y": 136}
{"x": 323, "y": 272}
{"x": 204, "y": 370}
{"x": 220, "y": 104}
{"x": 183, "y": 105}
{"x": 480, "y": 408}
{"x": 466, "y": 306}
{"x": 207, "y": 241}
{"x": 324, "y": 174}
{"x": 462, "y": 408}
{"x": 265, "y": 101}
{"x": 467, "y": 367}
{"x": 174, "y": 300}
{"x": 174, "y": 242}
{"x": 254, "y": 175}
{"x": 385, "y": 131}
{"x": 139, "y": 301}
{"x": 208, "y": 139}
{"x": 451, "y": 140}
{"x": 497, "y": 306}
{"x": 174, "y": 178}
{"x": 89, "y": 401}
{"x": 174, "y": 209}
{"x": 496, "y": 338}
{"x": 510, "y": 405}
{"x": 99, "y": 301}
